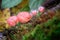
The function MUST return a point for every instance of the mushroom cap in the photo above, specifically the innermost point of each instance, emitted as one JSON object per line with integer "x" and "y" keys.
{"x": 23, "y": 17}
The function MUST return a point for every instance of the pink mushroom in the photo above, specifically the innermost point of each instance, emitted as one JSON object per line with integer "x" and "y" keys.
{"x": 34, "y": 12}
{"x": 41, "y": 9}
{"x": 23, "y": 17}
{"x": 12, "y": 21}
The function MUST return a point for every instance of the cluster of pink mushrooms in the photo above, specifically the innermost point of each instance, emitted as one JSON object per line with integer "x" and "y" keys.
{"x": 23, "y": 17}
